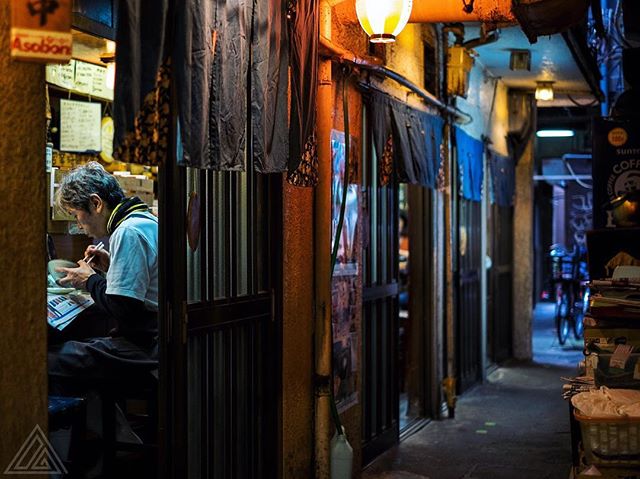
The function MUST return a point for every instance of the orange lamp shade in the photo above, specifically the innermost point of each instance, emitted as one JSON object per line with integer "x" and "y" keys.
{"x": 383, "y": 20}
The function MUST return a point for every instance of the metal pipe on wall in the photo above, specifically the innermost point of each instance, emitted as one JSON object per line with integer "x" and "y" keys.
{"x": 322, "y": 263}
{"x": 449, "y": 381}
{"x": 373, "y": 64}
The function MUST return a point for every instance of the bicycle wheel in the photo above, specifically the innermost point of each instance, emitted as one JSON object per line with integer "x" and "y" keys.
{"x": 581, "y": 308}
{"x": 562, "y": 315}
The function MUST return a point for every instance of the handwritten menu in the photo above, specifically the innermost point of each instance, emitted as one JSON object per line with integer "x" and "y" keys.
{"x": 80, "y": 126}
{"x": 81, "y": 77}
{"x": 62, "y": 75}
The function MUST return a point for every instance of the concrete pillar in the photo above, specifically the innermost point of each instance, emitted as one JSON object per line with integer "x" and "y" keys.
{"x": 23, "y": 380}
{"x": 523, "y": 256}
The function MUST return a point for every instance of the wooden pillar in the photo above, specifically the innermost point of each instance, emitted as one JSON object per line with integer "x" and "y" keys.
{"x": 322, "y": 264}
{"x": 297, "y": 333}
{"x": 23, "y": 379}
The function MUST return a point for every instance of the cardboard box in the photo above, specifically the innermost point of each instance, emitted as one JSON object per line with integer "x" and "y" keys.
{"x": 135, "y": 183}
{"x": 145, "y": 196}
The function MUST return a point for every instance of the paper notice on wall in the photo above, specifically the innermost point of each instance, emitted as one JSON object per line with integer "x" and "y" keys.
{"x": 80, "y": 126}
{"x": 82, "y": 77}
{"x": 62, "y": 75}
{"x": 63, "y": 308}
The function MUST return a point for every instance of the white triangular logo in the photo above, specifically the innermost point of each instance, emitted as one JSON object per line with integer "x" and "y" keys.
{"x": 36, "y": 456}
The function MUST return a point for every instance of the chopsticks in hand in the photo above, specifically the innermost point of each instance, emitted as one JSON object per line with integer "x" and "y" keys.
{"x": 88, "y": 259}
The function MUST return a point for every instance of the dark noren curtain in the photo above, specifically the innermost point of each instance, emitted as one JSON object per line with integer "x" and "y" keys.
{"x": 140, "y": 35}
{"x": 522, "y": 122}
{"x": 303, "y": 33}
{"x": 416, "y": 136}
{"x": 503, "y": 178}
{"x": 223, "y": 49}
{"x": 269, "y": 82}
{"x": 469, "y": 153}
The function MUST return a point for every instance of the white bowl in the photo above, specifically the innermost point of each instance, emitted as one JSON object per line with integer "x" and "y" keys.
{"x": 59, "y": 263}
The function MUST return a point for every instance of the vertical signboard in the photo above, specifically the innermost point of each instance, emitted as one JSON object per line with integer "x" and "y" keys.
{"x": 616, "y": 164}
{"x": 41, "y": 30}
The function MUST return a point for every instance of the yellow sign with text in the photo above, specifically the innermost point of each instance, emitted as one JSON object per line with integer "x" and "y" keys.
{"x": 41, "y": 30}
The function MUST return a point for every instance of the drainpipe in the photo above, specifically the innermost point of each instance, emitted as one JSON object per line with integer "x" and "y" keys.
{"x": 604, "y": 67}
{"x": 484, "y": 280}
{"x": 449, "y": 381}
{"x": 322, "y": 266}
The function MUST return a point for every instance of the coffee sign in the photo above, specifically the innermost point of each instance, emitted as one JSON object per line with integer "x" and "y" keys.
{"x": 616, "y": 164}
{"x": 41, "y": 30}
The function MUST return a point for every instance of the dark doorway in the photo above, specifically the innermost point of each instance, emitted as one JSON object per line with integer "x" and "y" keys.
{"x": 221, "y": 331}
{"x": 380, "y": 426}
{"x": 467, "y": 294}
{"x": 500, "y": 313}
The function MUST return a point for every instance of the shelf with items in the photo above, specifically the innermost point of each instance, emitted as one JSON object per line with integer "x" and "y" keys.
{"x": 612, "y": 353}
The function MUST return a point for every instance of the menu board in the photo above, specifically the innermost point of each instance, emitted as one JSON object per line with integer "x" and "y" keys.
{"x": 82, "y": 77}
{"x": 80, "y": 126}
{"x": 62, "y": 75}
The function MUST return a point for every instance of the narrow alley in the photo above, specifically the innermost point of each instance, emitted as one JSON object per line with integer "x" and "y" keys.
{"x": 513, "y": 426}
{"x": 320, "y": 239}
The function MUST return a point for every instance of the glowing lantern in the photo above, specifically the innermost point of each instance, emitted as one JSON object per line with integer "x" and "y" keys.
{"x": 383, "y": 20}
{"x": 544, "y": 91}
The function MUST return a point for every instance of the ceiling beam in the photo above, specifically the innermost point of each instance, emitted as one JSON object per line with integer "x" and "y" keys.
{"x": 497, "y": 12}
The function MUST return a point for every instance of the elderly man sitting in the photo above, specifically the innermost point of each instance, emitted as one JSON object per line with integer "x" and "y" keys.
{"x": 127, "y": 292}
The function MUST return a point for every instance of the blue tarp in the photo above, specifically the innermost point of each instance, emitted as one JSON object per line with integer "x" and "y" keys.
{"x": 470, "y": 171}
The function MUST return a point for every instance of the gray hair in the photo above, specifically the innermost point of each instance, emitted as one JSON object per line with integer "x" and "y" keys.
{"x": 80, "y": 183}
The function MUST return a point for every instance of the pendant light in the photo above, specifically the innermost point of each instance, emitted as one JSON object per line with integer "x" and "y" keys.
{"x": 383, "y": 20}
{"x": 544, "y": 91}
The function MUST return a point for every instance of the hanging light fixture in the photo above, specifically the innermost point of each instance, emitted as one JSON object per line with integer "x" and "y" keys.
{"x": 544, "y": 91}
{"x": 383, "y": 20}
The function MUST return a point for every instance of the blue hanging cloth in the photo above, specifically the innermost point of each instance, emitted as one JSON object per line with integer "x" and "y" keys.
{"x": 470, "y": 171}
{"x": 430, "y": 135}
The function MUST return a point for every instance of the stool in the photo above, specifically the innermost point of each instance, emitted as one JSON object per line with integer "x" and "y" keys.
{"x": 117, "y": 392}
{"x": 70, "y": 412}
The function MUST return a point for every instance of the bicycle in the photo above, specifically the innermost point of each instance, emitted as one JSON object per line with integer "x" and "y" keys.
{"x": 572, "y": 293}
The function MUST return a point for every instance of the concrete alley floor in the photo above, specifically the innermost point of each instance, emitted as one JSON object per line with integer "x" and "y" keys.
{"x": 514, "y": 426}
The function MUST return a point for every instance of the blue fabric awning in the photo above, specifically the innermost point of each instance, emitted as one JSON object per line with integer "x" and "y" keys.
{"x": 470, "y": 171}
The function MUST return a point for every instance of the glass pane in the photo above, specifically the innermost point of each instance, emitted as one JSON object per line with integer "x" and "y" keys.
{"x": 194, "y": 264}
{"x": 261, "y": 238}
{"x": 219, "y": 232}
{"x": 195, "y": 421}
{"x": 373, "y": 248}
{"x": 242, "y": 236}
{"x": 384, "y": 231}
